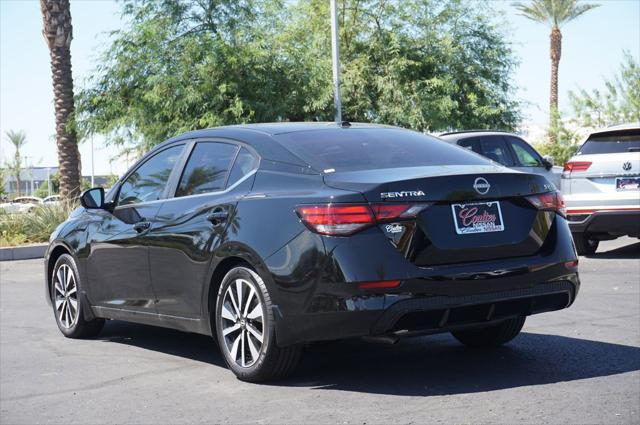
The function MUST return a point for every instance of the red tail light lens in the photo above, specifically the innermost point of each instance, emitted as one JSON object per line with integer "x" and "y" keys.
{"x": 550, "y": 201}
{"x": 336, "y": 219}
{"x": 346, "y": 219}
{"x": 574, "y": 166}
{"x": 386, "y": 212}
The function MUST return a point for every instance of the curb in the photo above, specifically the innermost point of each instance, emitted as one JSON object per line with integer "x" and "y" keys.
{"x": 23, "y": 252}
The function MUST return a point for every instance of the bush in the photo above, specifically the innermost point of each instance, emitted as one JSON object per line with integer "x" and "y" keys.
{"x": 560, "y": 152}
{"x": 35, "y": 226}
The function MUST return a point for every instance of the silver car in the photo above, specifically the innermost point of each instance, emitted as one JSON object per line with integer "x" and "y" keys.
{"x": 507, "y": 149}
{"x": 601, "y": 187}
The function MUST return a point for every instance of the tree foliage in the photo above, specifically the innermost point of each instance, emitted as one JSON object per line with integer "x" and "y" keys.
{"x": 180, "y": 65}
{"x": 618, "y": 103}
{"x": 18, "y": 139}
{"x": 555, "y": 13}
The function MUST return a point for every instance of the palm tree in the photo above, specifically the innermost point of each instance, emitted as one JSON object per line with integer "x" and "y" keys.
{"x": 554, "y": 13}
{"x": 18, "y": 139}
{"x": 58, "y": 32}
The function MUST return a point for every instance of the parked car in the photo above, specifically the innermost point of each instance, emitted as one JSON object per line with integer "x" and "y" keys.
{"x": 507, "y": 149}
{"x": 22, "y": 204}
{"x": 275, "y": 235}
{"x": 601, "y": 184}
{"x": 52, "y": 199}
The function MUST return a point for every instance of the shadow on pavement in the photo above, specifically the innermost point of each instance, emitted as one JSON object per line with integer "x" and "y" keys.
{"x": 438, "y": 365}
{"x": 625, "y": 252}
{"x": 427, "y": 366}
{"x": 182, "y": 344}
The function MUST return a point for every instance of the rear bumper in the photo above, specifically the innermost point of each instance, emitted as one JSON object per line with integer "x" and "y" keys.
{"x": 434, "y": 309}
{"x": 613, "y": 222}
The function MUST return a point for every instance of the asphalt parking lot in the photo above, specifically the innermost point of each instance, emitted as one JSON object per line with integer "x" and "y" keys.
{"x": 580, "y": 365}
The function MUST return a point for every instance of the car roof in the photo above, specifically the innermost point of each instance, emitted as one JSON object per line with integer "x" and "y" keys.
{"x": 260, "y": 136}
{"x": 614, "y": 128}
{"x": 275, "y": 128}
{"x": 27, "y": 197}
{"x": 459, "y": 135}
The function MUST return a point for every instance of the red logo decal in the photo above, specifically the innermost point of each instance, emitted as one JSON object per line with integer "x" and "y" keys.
{"x": 470, "y": 217}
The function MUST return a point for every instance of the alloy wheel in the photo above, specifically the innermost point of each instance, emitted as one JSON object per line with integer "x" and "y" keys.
{"x": 65, "y": 297}
{"x": 242, "y": 322}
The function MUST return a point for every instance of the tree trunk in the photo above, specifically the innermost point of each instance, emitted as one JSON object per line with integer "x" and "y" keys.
{"x": 58, "y": 32}
{"x": 556, "y": 52}
{"x": 17, "y": 165}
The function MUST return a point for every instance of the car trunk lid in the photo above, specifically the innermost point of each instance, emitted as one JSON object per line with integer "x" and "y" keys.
{"x": 457, "y": 194}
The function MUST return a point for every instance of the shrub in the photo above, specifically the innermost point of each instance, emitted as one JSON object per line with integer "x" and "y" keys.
{"x": 35, "y": 226}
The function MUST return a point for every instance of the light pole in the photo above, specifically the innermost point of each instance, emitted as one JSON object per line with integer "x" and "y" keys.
{"x": 92, "y": 173}
{"x": 335, "y": 55}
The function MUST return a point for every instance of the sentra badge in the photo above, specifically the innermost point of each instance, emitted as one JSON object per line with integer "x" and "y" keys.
{"x": 403, "y": 194}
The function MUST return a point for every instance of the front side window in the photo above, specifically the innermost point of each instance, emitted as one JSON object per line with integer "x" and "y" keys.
{"x": 148, "y": 182}
{"x": 206, "y": 170}
{"x": 525, "y": 154}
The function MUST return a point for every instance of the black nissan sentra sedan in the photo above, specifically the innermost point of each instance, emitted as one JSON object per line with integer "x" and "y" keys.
{"x": 270, "y": 236}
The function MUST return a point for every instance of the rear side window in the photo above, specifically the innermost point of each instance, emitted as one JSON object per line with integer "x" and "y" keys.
{"x": 495, "y": 148}
{"x": 206, "y": 170}
{"x": 472, "y": 143}
{"x": 245, "y": 163}
{"x": 611, "y": 143}
{"x": 369, "y": 149}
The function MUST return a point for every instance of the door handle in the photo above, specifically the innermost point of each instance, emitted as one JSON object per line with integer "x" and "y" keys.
{"x": 141, "y": 226}
{"x": 218, "y": 216}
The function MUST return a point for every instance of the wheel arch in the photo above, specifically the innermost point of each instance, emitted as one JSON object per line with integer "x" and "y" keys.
{"x": 56, "y": 250}
{"x": 235, "y": 256}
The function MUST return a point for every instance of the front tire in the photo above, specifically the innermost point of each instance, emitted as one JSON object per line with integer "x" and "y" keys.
{"x": 491, "y": 336}
{"x": 68, "y": 305}
{"x": 584, "y": 244}
{"x": 245, "y": 329}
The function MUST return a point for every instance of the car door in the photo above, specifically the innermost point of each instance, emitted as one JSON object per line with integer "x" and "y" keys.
{"x": 530, "y": 161}
{"x": 118, "y": 261}
{"x": 193, "y": 223}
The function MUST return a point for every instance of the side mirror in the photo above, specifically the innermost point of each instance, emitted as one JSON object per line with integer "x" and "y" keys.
{"x": 93, "y": 198}
{"x": 548, "y": 162}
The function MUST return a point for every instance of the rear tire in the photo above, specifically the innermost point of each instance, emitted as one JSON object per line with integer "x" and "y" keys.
{"x": 491, "y": 336}
{"x": 584, "y": 244}
{"x": 68, "y": 303}
{"x": 245, "y": 329}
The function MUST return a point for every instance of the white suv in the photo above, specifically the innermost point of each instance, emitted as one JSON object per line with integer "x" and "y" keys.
{"x": 601, "y": 187}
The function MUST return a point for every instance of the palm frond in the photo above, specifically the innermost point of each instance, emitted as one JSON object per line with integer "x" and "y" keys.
{"x": 553, "y": 12}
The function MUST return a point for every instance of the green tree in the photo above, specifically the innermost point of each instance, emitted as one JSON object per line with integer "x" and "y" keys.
{"x": 18, "y": 139}
{"x": 43, "y": 190}
{"x": 618, "y": 103}
{"x": 58, "y": 32}
{"x": 554, "y": 13}
{"x": 428, "y": 65}
{"x": 3, "y": 173}
{"x": 181, "y": 65}
{"x": 566, "y": 143}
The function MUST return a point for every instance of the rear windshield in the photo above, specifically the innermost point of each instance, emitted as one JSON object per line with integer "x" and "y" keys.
{"x": 611, "y": 143}
{"x": 369, "y": 149}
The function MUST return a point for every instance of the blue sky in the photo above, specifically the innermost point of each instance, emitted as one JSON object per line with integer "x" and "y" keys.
{"x": 592, "y": 50}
